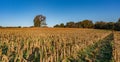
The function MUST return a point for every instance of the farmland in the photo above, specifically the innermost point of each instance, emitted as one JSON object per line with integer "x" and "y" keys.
{"x": 54, "y": 44}
{"x": 116, "y": 53}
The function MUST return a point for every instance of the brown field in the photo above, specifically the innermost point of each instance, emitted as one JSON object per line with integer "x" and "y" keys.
{"x": 47, "y": 44}
{"x": 116, "y": 53}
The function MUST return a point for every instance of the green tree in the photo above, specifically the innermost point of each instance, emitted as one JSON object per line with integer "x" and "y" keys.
{"x": 70, "y": 24}
{"x": 117, "y": 25}
{"x": 87, "y": 24}
{"x": 118, "y": 20}
{"x": 0, "y": 26}
{"x": 78, "y": 25}
{"x": 62, "y": 25}
{"x": 39, "y": 20}
{"x": 100, "y": 25}
{"x": 110, "y": 25}
{"x": 56, "y": 26}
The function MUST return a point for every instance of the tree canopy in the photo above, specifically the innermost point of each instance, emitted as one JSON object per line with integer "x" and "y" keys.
{"x": 90, "y": 24}
{"x": 39, "y": 20}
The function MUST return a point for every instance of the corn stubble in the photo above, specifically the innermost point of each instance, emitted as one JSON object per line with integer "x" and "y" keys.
{"x": 46, "y": 44}
{"x": 116, "y": 51}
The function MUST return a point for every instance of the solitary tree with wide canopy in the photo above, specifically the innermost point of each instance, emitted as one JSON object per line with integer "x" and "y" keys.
{"x": 39, "y": 21}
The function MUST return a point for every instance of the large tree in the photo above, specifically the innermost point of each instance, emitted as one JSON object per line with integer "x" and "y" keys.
{"x": 39, "y": 20}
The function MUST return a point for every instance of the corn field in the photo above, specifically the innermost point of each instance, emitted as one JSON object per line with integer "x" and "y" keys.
{"x": 48, "y": 44}
{"x": 116, "y": 53}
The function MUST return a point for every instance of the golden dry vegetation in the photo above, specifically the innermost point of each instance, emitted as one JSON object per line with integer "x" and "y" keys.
{"x": 116, "y": 52}
{"x": 46, "y": 44}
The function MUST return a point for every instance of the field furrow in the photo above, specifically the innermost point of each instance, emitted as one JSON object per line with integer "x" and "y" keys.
{"x": 46, "y": 44}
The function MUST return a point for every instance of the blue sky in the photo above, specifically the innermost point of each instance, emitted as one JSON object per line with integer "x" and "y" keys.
{"x": 22, "y": 12}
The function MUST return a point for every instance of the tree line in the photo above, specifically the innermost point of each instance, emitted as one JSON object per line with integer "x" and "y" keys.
{"x": 90, "y": 24}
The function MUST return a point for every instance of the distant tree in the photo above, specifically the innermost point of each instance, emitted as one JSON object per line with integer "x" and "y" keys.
{"x": 19, "y": 27}
{"x": 119, "y": 20}
{"x": 62, "y": 25}
{"x": 109, "y": 25}
{"x": 0, "y": 26}
{"x": 56, "y": 26}
{"x": 117, "y": 25}
{"x": 45, "y": 27}
{"x": 100, "y": 25}
{"x": 87, "y": 24}
{"x": 78, "y": 25}
{"x": 31, "y": 26}
{"x": 39, "y": 20}
{"x": 70, "y": 25}
{"x": 90, "y": 24}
